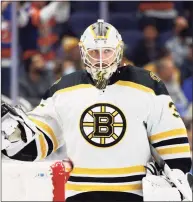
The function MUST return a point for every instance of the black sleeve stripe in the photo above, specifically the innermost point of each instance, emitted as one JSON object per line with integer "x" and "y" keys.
{"x": 50, "y": 144}
{"x": 180, "y": 140}
{"x": 28, "y": 153}
{"x": 49, "y": 141}
{"x": 183, "y": 164}
{"x": 106, "y": 179}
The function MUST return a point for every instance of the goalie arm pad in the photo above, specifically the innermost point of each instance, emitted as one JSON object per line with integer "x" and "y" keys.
{"x": 30, "y": 140}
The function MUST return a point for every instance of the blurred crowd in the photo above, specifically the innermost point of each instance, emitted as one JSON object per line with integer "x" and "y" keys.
{"x": 157, "y": 36}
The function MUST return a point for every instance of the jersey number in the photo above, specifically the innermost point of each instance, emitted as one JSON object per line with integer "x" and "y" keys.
{"x": 174, "y": 110}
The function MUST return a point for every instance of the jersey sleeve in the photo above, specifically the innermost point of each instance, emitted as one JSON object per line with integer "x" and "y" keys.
{"x": 50, "y": 136}
{"x": 48, "y": 121}
{"x": 166, "y": 130}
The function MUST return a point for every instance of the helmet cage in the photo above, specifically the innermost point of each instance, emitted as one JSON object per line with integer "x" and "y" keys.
{"x": 100, "y": 63}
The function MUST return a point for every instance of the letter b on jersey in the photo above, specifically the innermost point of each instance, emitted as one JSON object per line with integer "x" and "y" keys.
{"x": 103, "y": 126}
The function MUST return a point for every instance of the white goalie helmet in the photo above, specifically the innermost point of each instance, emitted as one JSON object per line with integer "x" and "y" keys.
{"x": 101, "y": 50}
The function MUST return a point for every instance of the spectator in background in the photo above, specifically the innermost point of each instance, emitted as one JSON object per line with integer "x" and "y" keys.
{"x": 4, "y": 5}
{"x": 162, "y": 12}
{"x": 36, "y": 81}
{"x": 71, "y": 50}
{"x": 188, "y": 13}
{"x": 178, "y": 43}
{"x": 187, "y": 66}
{"x": 57, "y": 70}
{"x": 68, "y": 67}
{"x": 148, "y": 48}
{"x": 63, "y": 68}
{"x": 180, "y": 24}
{"x": 37, "y": 32}
{"x": 165, "y": 70}
{"x": 164, "y": 54}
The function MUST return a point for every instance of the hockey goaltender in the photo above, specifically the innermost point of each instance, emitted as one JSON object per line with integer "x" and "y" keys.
{"x": 110, "y": 118}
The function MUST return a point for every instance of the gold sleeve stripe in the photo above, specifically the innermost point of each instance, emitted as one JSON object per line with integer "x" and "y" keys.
{"x": 43, "y": 146}
{"x": 48, "y": 130}
{"x": 108, "y": 171}
{"x": 72, "y": 88}
{"x": 170, "y": 133}
{"x": 174, "y": 150}
{"x": 135, "y": 85}
{"x": 130, "y": 187}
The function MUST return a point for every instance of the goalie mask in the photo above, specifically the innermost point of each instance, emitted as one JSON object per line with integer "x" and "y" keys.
{"x": 101, "y": 50}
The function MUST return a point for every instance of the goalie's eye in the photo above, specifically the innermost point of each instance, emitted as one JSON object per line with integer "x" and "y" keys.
{"x": 104, "y": 53}
{"x": 107, "y": 51}
{"x": 94, "y": 53}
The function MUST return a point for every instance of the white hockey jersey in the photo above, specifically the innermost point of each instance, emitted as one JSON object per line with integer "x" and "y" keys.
{"x": 107, "y": 132}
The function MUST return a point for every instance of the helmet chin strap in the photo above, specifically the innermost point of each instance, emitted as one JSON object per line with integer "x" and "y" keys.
{"x": 101, "y": 77}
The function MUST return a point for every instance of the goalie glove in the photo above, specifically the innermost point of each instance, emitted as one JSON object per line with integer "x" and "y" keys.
{"x": 158, "y": 187}
{"x": 17, "y": 129}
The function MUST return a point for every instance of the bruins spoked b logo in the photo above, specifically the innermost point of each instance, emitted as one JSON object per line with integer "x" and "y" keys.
{"x": 103, "y": 125}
